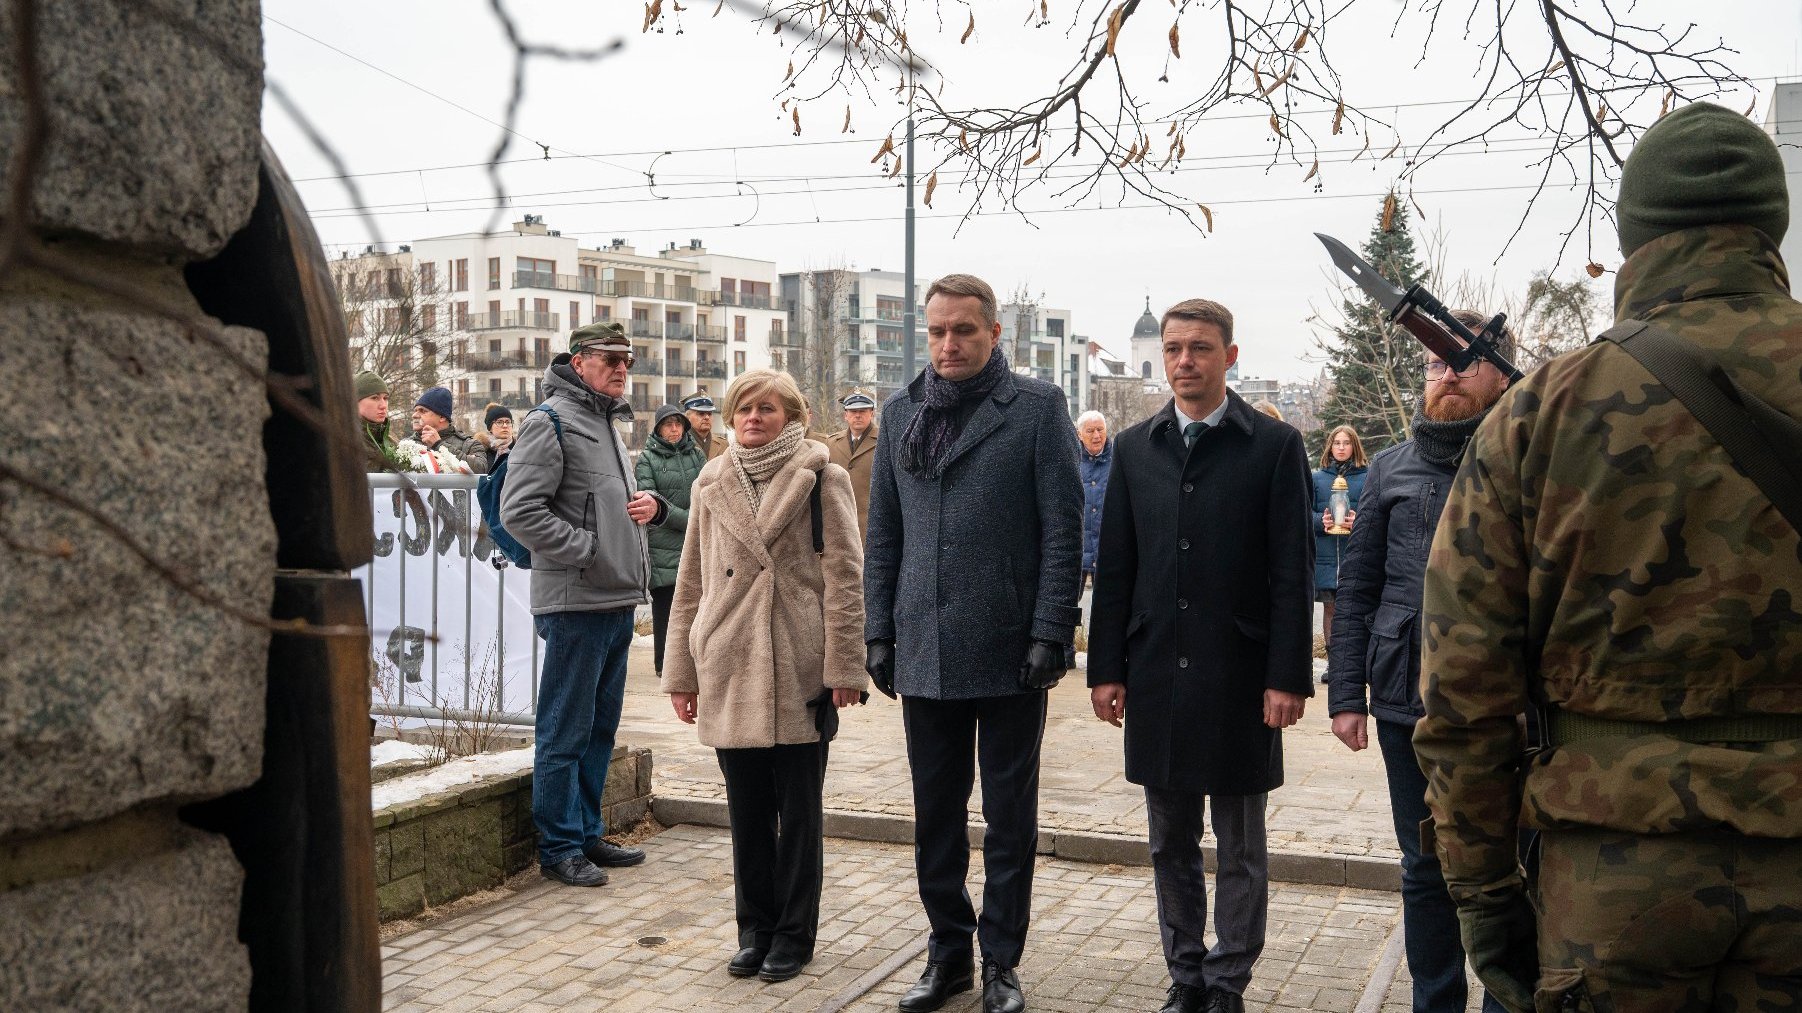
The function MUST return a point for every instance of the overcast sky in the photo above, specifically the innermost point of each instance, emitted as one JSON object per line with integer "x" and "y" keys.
{"x": 716, "y": 86}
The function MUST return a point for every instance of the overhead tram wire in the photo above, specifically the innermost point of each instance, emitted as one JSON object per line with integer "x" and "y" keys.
{"x": 1015, "y": 213}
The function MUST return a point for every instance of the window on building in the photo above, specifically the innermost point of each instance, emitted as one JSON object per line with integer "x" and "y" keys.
{"x": 738, "y": 362}
{"x": 672, "y": 393}
{"x": 541, "y": 313}
{"x": 356, "y": 325}
{"x": 462, "y": 316}
{"x": 606, "y": 313}
{"x": 494, "y": 312}
{"x": 494, "y": 272}
{"x": 776, "y": 332}
{"x": 1145, "y": 369}
{"x": 575, "y": 314}
{"x": 392, "y": 320}
{"x": 392, "y": 283}
{"x": 535, "y": 272}
{"x": 460, "y": 276}
{"x": 738, "y": 328}
{"x": 463, "y": 390}
{"x": 591, "y": 277}
{"x": 1054, "y": 327}
{"x": 775, "y": 360}
{"x": 494, "y": 385}
{"x": 428, "y": 277}
{"x": 459, "y": 353}
{"x": 428, "y": 317}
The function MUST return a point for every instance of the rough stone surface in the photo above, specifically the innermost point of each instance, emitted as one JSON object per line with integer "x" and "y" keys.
{"x": 462, "y": 852}
{"x": 157, "y": 933}
{"x": 120, "y": 687}
{"x": 153, "y": 126}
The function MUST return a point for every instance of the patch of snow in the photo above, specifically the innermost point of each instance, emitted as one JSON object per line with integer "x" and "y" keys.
{"x": 396, "y": 751}
{"x": 463, "y": 770}
{"x": 1082, "y": 660}
{"x": 1319, "y": 667}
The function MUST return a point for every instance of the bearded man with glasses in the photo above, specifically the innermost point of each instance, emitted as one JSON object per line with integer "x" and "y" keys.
{"x": 1373, "y": 667}
{"x": 571, "y": 499}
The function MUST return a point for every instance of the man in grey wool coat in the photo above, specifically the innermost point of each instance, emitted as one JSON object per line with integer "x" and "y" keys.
{"x": 972, "y": 570}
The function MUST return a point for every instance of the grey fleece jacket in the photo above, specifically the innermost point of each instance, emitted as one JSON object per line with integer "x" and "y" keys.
{"x": 567, "y": 503}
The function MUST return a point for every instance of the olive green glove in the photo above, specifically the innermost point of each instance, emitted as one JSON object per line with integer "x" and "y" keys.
{"x": 1502, "y": 942}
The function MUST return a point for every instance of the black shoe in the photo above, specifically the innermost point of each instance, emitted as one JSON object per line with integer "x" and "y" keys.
{"x": 1185, "y": 999}
{"x": 575, "y": 871}
{"x": 746, "y": 962}
{"x": 1001, "y": 989}
{"x": 777, "y": 967}
{"x": 600, "y": 851}
{"x": 942, "y": 980}
{"x": 1222, "y": 1001}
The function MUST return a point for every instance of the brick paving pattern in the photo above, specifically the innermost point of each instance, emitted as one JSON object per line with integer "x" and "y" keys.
{"x": 1334, "y": 801}
{"x": 1094, "y": 942}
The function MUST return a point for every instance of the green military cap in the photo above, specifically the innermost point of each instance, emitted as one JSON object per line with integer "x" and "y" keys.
{"x": 600, "y": 336}
{"x": 1701, "y": 165}
{"x": 370, "y": 383}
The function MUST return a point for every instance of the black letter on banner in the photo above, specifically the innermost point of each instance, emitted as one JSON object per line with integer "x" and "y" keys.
{"x": 415, "y": 544}
{"x": 450, "y": 521}
{"x": 406, "y": 648}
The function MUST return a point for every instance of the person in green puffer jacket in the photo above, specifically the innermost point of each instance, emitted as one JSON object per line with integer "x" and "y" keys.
{"x": 668, "y": 466}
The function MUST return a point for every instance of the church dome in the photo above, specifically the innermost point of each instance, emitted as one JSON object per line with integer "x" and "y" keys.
{"x": 1147, "y": 327}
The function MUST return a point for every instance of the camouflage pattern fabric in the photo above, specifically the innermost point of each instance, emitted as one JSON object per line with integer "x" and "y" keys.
{"x": 1600, "y": 552}
{"x": 1668, "y": 924}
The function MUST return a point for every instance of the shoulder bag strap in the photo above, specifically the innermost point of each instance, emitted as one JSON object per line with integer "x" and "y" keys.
{"x": 1765, "y": 443}
{"x": 817, "y": 515}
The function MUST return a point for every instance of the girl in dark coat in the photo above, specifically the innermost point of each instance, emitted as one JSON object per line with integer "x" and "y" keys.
{"x": 1343, "y": 455}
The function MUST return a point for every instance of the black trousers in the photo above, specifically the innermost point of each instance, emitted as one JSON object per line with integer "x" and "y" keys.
{"x": 773, "y": 800}
{"x": 945, "y": 738}
{"x": 661, "y": 598}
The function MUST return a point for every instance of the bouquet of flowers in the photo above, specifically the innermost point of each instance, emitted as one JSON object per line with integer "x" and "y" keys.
{"x": 436, "y": 461}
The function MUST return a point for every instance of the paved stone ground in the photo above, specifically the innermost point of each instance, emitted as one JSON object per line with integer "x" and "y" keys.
{"x": 1335, "y": 802}
{"x": 657, "y": 938}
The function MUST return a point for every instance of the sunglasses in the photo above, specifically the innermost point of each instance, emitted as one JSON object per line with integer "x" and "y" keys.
{"x": 614, "y": 360}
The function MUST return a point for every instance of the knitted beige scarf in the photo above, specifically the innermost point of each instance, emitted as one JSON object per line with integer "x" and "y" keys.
{"x": 755, "y": 466}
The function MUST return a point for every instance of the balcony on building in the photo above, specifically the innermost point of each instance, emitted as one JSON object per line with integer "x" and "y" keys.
{"x": 678, "y": 331}
{"x": 645, "y": 328}
{"x": 618, "y": 288}
{"x": 513, "y": 319}
{"x": 556, "y": 282}
{"x": 481, "y": 362}
{"x": 647, "y": 365}
{"x": 710, "y": 334}
{"x": 710, "y": 370}
{"x": 645, "y": 402}
{"x": 476, "y": 400}
{"x": 743, "y": 300}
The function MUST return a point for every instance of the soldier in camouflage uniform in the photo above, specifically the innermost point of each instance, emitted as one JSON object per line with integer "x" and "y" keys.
{"x": 1601, "y": 560}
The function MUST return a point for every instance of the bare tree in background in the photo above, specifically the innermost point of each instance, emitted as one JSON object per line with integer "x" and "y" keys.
{"x": 1556, "y": 317}
{"x": 821, "y": 365}
{"x": 1583, "y": 77}
{"x": 397, "y": 321}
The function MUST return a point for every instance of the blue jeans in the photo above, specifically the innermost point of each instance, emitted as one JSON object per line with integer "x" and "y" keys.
{"x": 579, "y": 700}
{"x": 1429, "y": 920}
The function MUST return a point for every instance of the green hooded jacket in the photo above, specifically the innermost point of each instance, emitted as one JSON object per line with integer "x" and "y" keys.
{"x": 669, "y": 470}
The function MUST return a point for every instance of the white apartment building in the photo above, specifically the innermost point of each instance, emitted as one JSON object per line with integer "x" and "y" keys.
{"x": 504, "y": 304}
{"x": 854, "y": 320}
{"x": 1041, "y": 341}
{"x": 1784, "y": 122}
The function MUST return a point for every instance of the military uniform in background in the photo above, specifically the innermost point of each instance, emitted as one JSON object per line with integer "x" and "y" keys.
{"x": 1602, "y": 560}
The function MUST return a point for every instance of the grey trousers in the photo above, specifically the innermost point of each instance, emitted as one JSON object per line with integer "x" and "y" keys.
{"x": 1242, "y": 881}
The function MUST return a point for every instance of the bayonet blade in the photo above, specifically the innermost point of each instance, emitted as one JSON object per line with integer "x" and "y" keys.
{"x": 1374, "y": 285}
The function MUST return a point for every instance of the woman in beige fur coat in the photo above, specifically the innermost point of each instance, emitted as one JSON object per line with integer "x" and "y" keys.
{"x": 765, "y": 643}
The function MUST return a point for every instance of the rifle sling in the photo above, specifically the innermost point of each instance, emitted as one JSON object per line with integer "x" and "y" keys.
{"x": 1765, "y": 443}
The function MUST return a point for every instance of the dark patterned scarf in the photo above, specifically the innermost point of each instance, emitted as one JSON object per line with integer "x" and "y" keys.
{"x": 936, "y": 426}
{"x": 1443, "y": 443}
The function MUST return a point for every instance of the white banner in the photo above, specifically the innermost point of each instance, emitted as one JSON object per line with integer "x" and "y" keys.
{"x": 449, "y": 630}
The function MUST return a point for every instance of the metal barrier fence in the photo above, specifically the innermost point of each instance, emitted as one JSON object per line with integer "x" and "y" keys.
{"x": 450, "y": 620}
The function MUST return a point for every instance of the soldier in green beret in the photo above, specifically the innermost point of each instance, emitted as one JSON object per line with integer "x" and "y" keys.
{"x": 372, "y": 411}
{"x": 1603, "y": 563}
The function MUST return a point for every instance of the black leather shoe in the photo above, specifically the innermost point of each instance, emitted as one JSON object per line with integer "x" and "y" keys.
{"x": 1185, "y": 999}
{"x": 746, "y": 962}
{"x": 1222, "y": 1001}
{"x": 942, "y": 980}
{"x": 1001, "y": 989}
{"x": 777, "y": 967}
{"x": 575, "y": 871}
{"x": 600, "y": 851}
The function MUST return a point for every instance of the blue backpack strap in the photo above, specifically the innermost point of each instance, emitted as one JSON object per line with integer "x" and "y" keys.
{"x": 556, "y": 422}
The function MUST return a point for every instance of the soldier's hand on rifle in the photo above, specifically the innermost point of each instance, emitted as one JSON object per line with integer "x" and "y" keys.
{"x": 879, "y": 661}
{"x": 1502, "y": 941}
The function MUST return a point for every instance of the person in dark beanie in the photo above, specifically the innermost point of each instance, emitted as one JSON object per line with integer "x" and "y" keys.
{"x": 496, "y": 437}
{"x": 432, "y": 426}
{"x": 372, "y": 412}
{"x": 1604, "y": 560}
{"x": 972, "y": 572}
{"x": 667, "y": 466}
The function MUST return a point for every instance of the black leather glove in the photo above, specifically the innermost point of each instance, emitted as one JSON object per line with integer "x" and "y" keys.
{"x": 1043, "y": 667}
{"x": 879, "y": 661}
{"x": 1502, "y": 941}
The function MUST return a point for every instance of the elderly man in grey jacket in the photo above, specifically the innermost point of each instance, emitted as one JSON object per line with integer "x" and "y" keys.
{"x": 571, "y": 499}
{"x": 971, "y": 576}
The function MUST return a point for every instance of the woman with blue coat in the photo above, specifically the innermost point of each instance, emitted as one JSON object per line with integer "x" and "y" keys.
{"x": 1343, "y": 455}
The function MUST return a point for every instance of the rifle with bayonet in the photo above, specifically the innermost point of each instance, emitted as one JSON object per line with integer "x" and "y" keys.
{"x": 1425, "y": 317}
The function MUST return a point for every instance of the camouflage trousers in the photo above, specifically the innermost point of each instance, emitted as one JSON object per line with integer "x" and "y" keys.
{"x": 1682, "y": 922}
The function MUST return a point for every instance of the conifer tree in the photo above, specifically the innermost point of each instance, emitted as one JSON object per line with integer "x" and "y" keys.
{"x": 1376, "y": 369}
